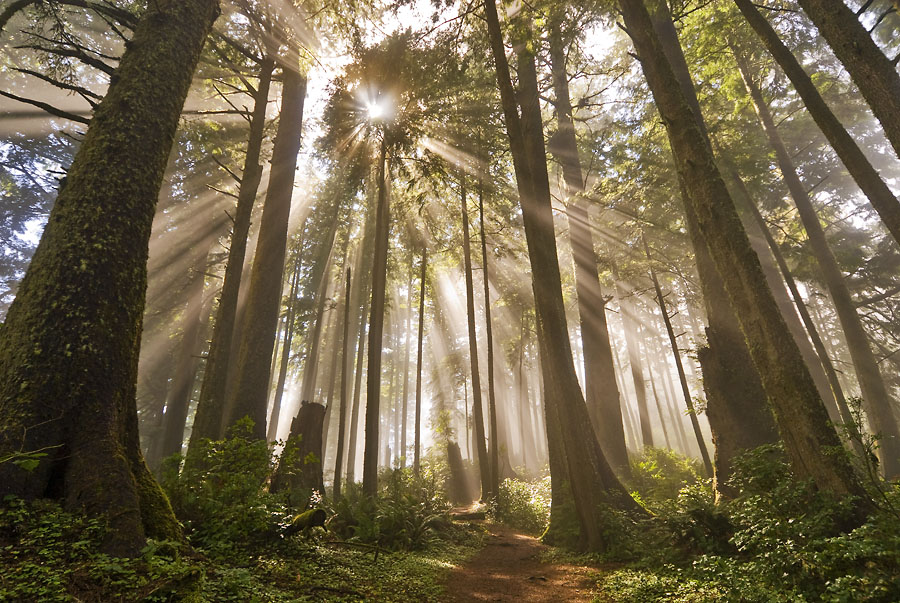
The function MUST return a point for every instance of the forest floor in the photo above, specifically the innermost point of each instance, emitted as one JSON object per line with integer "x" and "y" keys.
{"x": 513, "y": 566}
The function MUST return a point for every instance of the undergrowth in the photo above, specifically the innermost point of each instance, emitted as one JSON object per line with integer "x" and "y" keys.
{"x": 395, "y": 547}
{"x": 779, "y": 540}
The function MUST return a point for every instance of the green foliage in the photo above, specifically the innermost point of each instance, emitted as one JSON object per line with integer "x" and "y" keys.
{"x": 523, "y": 504}
{"x": 398, "y": 546}
{"x": 779, "y": 540}
{"x": 659, "y": 474}
{"x": 408, "y": 513}
{"x": 219, "y": 495}
{"x": 49, "y": 554}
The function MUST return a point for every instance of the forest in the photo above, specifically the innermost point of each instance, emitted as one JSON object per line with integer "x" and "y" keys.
{"x": 450, "y": 300}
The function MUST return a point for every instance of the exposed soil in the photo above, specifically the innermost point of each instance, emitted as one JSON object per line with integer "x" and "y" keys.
{"x": 509, "y": 568}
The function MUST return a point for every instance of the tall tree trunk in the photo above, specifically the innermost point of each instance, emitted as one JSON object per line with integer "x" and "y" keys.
{"x": 629, "y": 323}
{"x": 601, "y": 393}
{"x": 736, "y": 402}
{"x": 360, "y": 304}
{"x": 646, "y": 337}
{"x": 250, "y": 395}
{"x": 311, "y": 368}
{"x": 417, "y": 440}
{"x": 406, "y": 362}
{"x": 876, "y": 400}
{"x": 357, "y": 387}
{"x": 878, "y": 193}
{"x": 685, "y": 390}
{"x": 778, "y": 274}
{"x": 591, "y": 479}
{"x": 799, "y": 410}
{"x": 186, "y": 369}
{"x": 70, "y": 341}
{"x": 211, "y": 405}
{"x": 345, "y": 383}
{"x": 484, "y": 465}
{"x": 290, "y": 321}
{"x": 376, "y": 329}
{"x": 873, "y": 73}
{"x": 489, "y": 333}
{"x": 333, "y": 328}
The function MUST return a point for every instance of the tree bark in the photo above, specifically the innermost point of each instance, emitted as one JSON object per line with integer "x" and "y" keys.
{"x": 876, "y": 400}
{"x": 300, "y": 467}
{"x": 873, "y": 73}
{"x": 484, "y": 464}
{"x": 70, "y": 341}
{"x": 250, "y": 395}
{"x": 591, "y": 479}
{"x": 799, "y": 410}
{"x": 736, "y": 401}
{"x": 345, "y": 382}
{"x": 376, "y": 330}
{"x": 685, "y": 390}
{"x": 601, "y": 393}
{"x": 874, "y": 188}
{"x": 417, "y": 443}
{"x": 211, "y": 404}
{"x": 290, "y": 320}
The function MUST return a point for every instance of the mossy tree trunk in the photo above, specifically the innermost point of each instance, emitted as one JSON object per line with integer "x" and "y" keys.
{"x": 250, "y": 396}
{"x": 69, "y": 346}
{"x": 211, "y": 404}
{"x": 799, "y": 410}
{"x": 738, "y": 414}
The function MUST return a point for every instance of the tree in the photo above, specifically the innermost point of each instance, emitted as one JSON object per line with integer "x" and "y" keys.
{"x": 209, "y": 417}
{"x": 250, "y": 395}
{"x": 875, "y": 396}
{"x": 68, "y": 378}
{"x": 601, "y": 393}
{"x": 799, "y": 410}
{"x": 872, "y": 185}
{"x": 590, "y": 478}
{"x": 488, "y": 478}
{"x": 873, "y": 73}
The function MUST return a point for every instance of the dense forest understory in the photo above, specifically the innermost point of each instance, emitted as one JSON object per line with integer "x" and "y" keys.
{"x": 422, "y": 300}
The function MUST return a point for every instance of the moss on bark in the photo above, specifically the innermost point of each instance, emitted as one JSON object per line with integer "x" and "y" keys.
{"x": 68, "y": 354}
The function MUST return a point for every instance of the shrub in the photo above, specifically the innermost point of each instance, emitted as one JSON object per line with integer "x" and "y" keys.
{"x": 219, "y": 496}
{"x": 659, "y": 474}
{"x": 523, "y": 504}
{"x": 407, "y": 514}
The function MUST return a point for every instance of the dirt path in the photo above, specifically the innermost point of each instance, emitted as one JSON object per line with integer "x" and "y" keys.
{"x": 509, "y": 568}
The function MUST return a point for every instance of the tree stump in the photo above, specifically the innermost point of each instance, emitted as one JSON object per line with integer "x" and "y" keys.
{"x": 300, "y": 467}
